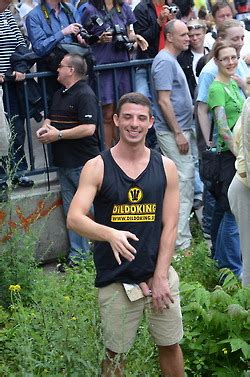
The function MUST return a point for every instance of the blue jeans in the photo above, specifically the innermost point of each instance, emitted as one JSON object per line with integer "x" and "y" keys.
{"x": 69, "y": 180}
{"x": 208, "y": 208}
{"x": 225, "y": 237}
{"x": 198, "y": 185}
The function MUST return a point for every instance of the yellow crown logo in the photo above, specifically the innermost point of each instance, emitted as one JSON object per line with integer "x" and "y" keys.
{"x": 135, "y": 195}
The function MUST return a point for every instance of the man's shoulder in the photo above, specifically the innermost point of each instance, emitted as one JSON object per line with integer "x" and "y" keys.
{"x": 209, "y": 40}
{"x": 143, "y": 5}
{"x": 164, "y": 56}
{"x": 242, "y": 69}
{"x": 35, "y": 12}
{"x": 95, "y": 167}
{"x": 82, "y": 89}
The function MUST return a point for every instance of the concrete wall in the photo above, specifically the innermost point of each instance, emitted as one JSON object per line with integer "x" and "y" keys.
{"x": 38, "y": 211}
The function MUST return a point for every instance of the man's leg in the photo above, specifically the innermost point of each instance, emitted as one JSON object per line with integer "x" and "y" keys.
{"x": 113, "y": 365}
{"x": 120, "y": 320}
{"x": 171, "y": 361}
{"x": 198, "y": 185}
{"x": 166, "y": 330}
{"x": 185, "y": 167}
{"x": 69, "y": 179}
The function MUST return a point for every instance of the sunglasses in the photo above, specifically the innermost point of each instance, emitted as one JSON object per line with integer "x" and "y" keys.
{"x": 62, "y": 66}
{"x": 195, "y": 27}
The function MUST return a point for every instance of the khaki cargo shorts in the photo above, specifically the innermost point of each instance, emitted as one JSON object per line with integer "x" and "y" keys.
{"x": 121, "y": 317}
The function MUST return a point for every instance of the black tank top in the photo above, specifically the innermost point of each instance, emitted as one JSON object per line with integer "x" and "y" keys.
{"x": 134, "y": 205}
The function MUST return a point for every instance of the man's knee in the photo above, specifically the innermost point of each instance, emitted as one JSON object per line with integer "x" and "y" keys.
{"x": 113, "y": 364}
{"x": 172, "y": 349}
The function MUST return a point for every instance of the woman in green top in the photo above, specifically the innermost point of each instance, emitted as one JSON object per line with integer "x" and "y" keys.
{"x": 225, "y": 103}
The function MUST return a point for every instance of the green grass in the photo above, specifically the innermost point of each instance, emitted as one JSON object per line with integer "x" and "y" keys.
{"x": 52, "y": 326}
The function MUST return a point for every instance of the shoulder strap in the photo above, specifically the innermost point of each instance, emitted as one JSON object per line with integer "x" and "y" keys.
{"x": 65, "y": 8}
{"x": 211, "y": 131}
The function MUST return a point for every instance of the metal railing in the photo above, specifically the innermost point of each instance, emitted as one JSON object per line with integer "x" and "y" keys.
{"x": 132, "y": 65}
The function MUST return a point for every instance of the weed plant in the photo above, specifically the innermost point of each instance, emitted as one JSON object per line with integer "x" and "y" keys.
{"x": 50, "y": 325}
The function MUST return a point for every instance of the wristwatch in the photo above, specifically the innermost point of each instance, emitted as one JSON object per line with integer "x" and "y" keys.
{"x": 60, "y": 135}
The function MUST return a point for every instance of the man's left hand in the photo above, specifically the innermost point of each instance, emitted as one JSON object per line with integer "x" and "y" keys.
{"x": 161, "y": 294}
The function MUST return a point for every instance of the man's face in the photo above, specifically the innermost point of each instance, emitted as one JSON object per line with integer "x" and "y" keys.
{"x": 133, "y": 123}
{"x": 235, "y": 37}
{"x": 64, "y": 70}
{"x": 222, "y": 15}
{"x": 180, "y": 38}
{"x": 196, "y": 37}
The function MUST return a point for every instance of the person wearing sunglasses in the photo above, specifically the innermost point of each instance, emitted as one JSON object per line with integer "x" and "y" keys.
{"x": 225, "y": 104}
{"x": 70, "y": 129}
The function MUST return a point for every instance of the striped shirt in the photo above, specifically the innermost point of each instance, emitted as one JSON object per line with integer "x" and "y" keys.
{"x": 10, "y": 38}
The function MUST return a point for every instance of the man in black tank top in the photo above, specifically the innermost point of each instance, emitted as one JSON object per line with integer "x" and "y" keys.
{"x": 136, "y": 199}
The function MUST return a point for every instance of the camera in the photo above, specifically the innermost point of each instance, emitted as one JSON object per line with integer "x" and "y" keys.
{"x": 173, "y": 9}
{"x": 120, "y": 39}
{"x": 89, "y": 38}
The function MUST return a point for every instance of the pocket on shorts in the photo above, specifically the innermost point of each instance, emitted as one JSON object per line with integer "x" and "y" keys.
{"x": 174, "y": 281}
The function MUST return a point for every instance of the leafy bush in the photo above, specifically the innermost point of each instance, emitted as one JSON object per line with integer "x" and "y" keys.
{"x": 216, "y": 326}
{"x": 50, "y": 326}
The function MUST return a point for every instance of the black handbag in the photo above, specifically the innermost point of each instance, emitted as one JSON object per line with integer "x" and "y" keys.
{"x": 210, "y": 161}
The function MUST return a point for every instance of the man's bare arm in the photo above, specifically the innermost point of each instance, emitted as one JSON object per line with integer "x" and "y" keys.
{"x": 49, "y": 134}
{"x": 77, "y": 219}
{"x": 169, "y": 115}
{"x": 159, "y": 286}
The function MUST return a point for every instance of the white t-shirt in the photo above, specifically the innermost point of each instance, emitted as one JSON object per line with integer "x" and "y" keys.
{"x": 196, "y": 58}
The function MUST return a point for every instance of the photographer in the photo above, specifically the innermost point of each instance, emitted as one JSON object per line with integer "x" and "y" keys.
{"x": 112, "y": 21}
{"x": 50, "y": 23}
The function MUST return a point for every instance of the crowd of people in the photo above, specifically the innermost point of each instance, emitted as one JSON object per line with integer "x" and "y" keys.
{"x": 127, "y": 197}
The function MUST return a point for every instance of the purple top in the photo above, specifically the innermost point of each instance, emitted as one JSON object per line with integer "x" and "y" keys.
{"x": 106, "y": 52}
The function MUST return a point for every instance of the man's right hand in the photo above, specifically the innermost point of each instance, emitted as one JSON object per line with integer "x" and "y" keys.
{"x": 163, "y": 16}
{"x": 182, "y": 143}
{"x": 71, "y": 29}
{"x": 121, "y": 246}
